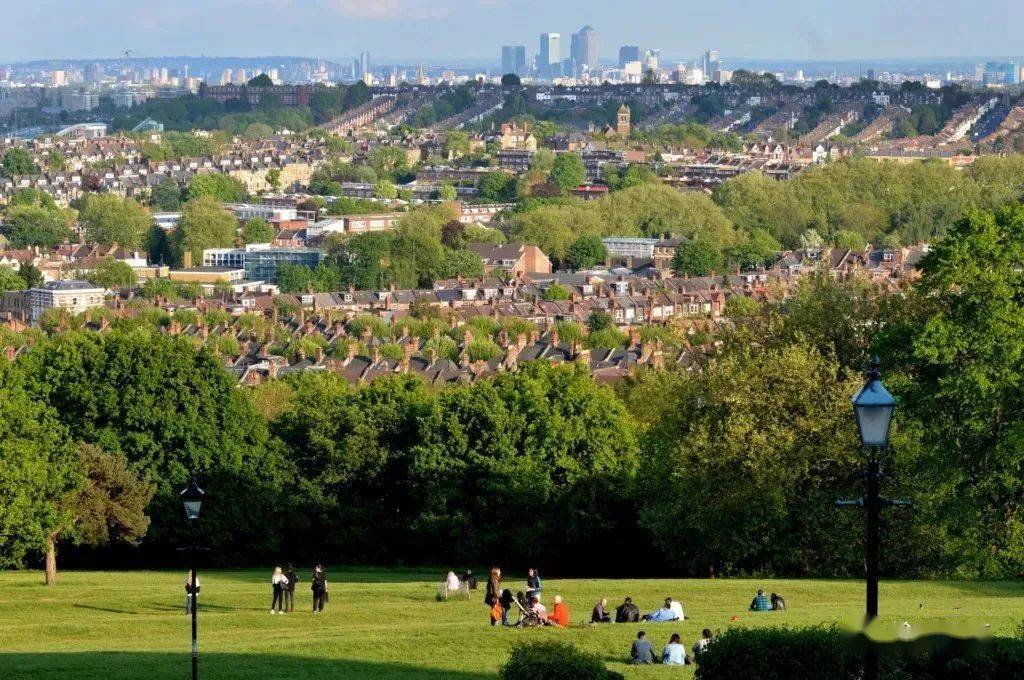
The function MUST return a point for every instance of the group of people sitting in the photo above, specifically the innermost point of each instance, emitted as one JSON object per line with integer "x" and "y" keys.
{"x": 760, "y": 603}
{"x": 627, "y": 612}
{"x": 674, "y": 652}
{"x": 525, "y": 605}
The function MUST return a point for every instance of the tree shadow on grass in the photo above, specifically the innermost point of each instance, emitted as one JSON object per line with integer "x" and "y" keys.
{"x": 158, "y": 666}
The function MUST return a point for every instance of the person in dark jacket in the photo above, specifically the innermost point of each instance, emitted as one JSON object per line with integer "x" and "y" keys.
{"x": 289, "y": 591}
{"x": 469, "y": 579}
{"x": 627, "y": 612}
{"x": 493, "y": 587}
{"x": 642, "y": 651}
{"x": 533, "y": 583}
{"x": 319, "y": 588}
{"x": 600, "y": 613}
{"x": 506, "y": 604}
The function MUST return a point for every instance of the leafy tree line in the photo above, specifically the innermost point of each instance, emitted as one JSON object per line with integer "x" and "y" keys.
{"x": 734, "y": 467}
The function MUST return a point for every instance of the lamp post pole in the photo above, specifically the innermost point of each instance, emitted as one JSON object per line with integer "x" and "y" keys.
{"x": 192, "y": 500}
{"x": 873, "y": 407}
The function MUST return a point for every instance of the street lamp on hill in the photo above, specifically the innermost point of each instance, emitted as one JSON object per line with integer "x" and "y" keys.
{"x": 192, "y": 500}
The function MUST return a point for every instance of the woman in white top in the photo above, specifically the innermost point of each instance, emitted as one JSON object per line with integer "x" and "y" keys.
{"x": 451, "y": 583}
{"x": 279, "y": 582}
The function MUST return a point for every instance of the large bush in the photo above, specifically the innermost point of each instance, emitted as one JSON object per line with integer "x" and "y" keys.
{"x": 554, "y": 661}
{"x": 817, "y": 652}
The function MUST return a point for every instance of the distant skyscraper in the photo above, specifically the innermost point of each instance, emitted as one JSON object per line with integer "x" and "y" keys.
{"x": 584, "y": 49}
{"x": 628, "y": 53}
{"x": 550, "y": 55}
{"x": 709, "y": 63}
{"x": 513, "y": 59}
{"x": 93, "y": 73}
{"x": 362, "y": 65}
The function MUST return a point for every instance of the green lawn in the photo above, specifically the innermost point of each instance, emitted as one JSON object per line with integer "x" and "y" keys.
{"x": 388, "y": 624}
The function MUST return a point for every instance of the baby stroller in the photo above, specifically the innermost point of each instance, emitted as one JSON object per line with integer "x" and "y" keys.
{"x": 527, "y": 617}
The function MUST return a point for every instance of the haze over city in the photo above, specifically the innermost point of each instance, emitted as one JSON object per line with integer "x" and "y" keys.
{"x": 422, "y": 29}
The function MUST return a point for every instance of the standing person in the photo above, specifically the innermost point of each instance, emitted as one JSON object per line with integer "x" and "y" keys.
{"x": 190, "y": 592}
{"x": 493, "y": 587}
{"x": 279, "y": 582}
{"x": 533, "y": 583}
{"x": 642, "y": 651}
{"x": 506, "y": 602}
{"x": 674, "y": 653}
{"x": 289, "y": 591}
{"x": 319, "y": 588}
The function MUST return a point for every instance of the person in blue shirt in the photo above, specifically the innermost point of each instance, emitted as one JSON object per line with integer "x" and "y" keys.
{"x": 674, "y": 653}
{"x": 760, "y": 603}
{"x": 666, "y": 613}
{"x": 533, "y": 584}
{"x": 642, "y": 651}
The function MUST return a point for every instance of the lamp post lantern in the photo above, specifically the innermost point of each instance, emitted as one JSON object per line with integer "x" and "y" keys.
{"x": 192, "y": 500}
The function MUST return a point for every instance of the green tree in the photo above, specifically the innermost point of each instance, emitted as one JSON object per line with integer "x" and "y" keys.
{"x": 599, "y": 320}
{"x": 568, "y": 172}
{"x": 757, "y": 250}
{"x": 846, "y": 239}
{"x": 257, "y": 230}
{"x": 587, "y": 251}
{"x": 510, "y": 80}
{"x": 497, "y": 187}
{"x": 110, "y": 505}
{"x": 741, "y": 306}
{"x": 388, "y": 162}
{"x": 110, "y": 219}
{"x": 447, "y": 193}
{"x": 696, "y": 257}
{"x": 203, "y": 224}
{"x": 216, "y": 185}
{"x": 456, "y": 143}
{"x": 166, "y": 196}
{"x": 111, "y": 273}
{"x": 9, "y": 279}
{"x": 262, "y": 80}
{"x": 294, "y": 278}
{"x": 30, "y": 225}
{"x": 18, "y": 161}
{"x": 556, "y": 292}
{"x": 30, "y": 274}
{"x": 747, "y": 458}
{"x": 956, "y": 347}
{"x": 385, "y": 189}
{"x": 274, "y": 179}
{"x": 37, "y": 469}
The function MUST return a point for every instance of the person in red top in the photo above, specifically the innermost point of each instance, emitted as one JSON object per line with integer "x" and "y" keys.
{"x": 559, "y": 615}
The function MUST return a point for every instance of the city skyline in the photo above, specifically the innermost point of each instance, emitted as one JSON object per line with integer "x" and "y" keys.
{"x": 417, "y": 29}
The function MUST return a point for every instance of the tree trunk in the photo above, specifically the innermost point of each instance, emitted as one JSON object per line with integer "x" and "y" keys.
{"x": 51, "y": 560}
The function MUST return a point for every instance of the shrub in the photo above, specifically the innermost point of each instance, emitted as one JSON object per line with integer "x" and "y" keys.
{"x": 554, "y": 661}
{"x": 820, "y": 652}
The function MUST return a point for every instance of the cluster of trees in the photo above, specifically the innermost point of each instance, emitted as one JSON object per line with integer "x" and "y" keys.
{"x": 428, "y": 244}
{"x": 745, "y": 457}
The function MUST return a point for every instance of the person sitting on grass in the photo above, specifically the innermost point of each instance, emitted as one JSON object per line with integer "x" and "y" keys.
{"x": 559, "y": 613}
{"x": 760, "y": 603}
{"x": 677, "y": 607}
{"x": 662, "y": 615}
{"x": 469, "y": 579}
{"x": 702, "y": 643}
{"x": 600, "y": 613}
{"x": 627, "y": 612}
{"x": 537, "y": 608}
{"x": 674, "y": 653}
{"x": 642, "y": 651}
{"x": 778, "y": 603}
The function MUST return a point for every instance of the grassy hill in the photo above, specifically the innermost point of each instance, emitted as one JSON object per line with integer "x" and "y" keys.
{"x": 388, "y": 624}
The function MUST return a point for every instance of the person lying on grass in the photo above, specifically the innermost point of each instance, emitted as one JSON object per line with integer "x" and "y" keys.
{"x": 664, "y": 614}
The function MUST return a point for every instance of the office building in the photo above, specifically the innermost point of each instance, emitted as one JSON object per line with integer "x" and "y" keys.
{"x": 513, "y": 59}
{"x": 83, "y": 100}
{"x": 550, "y": 55}
{"x": 709, "y": 64}
{"x": 362, "y": 65}
{"x": 584, "y": 50}
{"x": 58, "y": 79}
{"x": 74, "y": 296}
{"x": 652, "y": 60}
{"x": 628, "y": 53}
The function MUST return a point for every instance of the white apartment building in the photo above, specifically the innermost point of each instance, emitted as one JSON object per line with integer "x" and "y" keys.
{"x": 74, "y": 296}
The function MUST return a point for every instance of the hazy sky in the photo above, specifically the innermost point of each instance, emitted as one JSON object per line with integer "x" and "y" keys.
{"x": 783, "y": 29}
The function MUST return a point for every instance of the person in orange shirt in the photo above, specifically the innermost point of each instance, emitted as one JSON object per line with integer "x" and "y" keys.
{"x": 559, "y": 615}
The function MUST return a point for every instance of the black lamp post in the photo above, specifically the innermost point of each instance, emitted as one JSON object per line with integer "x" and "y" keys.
{"x": 192, "y": 500}
{"x": 874, "y": 407}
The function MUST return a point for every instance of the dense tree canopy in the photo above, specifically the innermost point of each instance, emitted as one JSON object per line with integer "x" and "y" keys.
{"x": 110, "y": 219}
